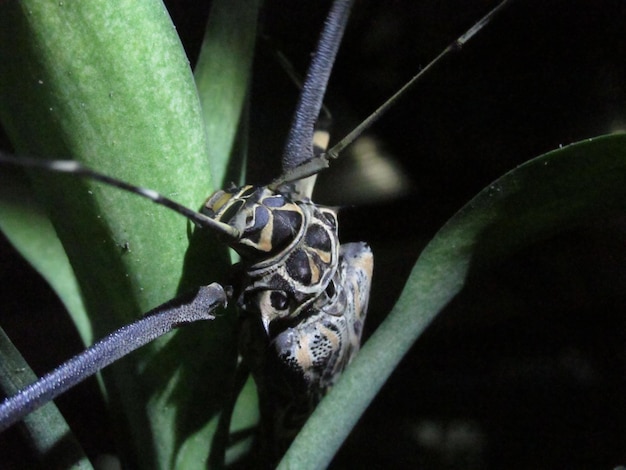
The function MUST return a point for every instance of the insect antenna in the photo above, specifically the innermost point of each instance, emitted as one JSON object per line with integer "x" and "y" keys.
{"x": 454, "y": 46}
{"x": 157, "y": 322}
{"x": 74, "y": 168}
{"x": 314, "y": 165}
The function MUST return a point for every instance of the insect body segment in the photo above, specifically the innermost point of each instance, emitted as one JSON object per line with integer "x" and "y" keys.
{"x": 290, "y": 249}
{"x": 266, "y": 221}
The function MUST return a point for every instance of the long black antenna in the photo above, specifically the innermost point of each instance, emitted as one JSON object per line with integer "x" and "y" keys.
{"x": 452, "y": 47}
{"x": 157, "y": 322}
{"x": 74, "y": 168}
{"x": 299, "y": 145}
{"x": 315, "y": 165}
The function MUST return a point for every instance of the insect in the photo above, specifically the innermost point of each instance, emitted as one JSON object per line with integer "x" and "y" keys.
{"x": 291, "y": 288}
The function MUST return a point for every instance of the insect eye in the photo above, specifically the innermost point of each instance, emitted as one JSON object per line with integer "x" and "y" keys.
{"x": 279, "y": 300}
{"x": 330, "y": 290}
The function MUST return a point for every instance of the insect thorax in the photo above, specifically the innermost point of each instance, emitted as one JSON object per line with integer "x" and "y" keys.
{"x": 289, "y": 248}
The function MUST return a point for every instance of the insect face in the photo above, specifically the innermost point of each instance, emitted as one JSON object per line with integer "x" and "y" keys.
{"x": 302, "y": 357}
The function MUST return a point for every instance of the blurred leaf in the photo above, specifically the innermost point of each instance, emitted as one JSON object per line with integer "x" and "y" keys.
{"x": 566, "y": 187}
{"x": 222, "y": 75}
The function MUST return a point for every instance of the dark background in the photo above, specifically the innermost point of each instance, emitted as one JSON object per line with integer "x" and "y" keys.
{"x": 525, "y": 369}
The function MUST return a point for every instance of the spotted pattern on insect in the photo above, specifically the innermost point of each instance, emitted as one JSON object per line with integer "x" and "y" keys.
{"x": 303, "y": 358}
{"x": 290, "y": 248}
{"x": 310, "y": 293}
{"x": 325, "y": 342}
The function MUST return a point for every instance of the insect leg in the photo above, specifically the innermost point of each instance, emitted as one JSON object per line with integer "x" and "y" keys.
{"x": 157, "y": 322}
{"x": 298, "y": 148}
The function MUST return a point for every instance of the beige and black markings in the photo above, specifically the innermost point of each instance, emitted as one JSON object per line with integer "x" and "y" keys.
{"x": 293, "y": 265}
{"x": 309, "y": 292}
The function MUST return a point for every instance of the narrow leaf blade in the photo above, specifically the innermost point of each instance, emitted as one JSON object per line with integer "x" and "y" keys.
{"x": 545, "y": 195}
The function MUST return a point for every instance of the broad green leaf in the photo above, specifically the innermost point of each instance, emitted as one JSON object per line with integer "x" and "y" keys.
{"x": 550, "y": 193}
{"x": 222, "y": 75}
{"x": 108, "y": 84}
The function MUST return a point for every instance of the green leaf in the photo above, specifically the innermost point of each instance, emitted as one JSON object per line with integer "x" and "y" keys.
{"x": 108, "y": 84}
{"x": 553, "y": 192}
{"x": 222, "y": 75}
